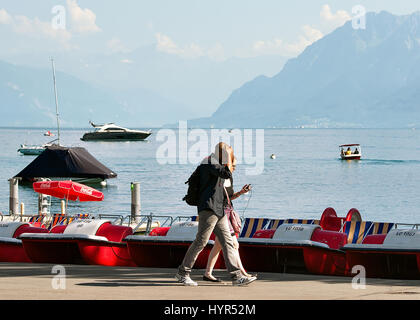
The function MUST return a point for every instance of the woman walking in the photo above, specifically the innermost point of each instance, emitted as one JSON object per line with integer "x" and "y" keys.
{"x": 214, "y": 253}
{"x": 211, "y": 217}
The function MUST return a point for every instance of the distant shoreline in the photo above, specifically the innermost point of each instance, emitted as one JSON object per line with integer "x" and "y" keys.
{"x": 217, "y": 128}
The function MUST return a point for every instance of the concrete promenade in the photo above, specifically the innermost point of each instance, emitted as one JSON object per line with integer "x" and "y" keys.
{"x": 84, "y": 282}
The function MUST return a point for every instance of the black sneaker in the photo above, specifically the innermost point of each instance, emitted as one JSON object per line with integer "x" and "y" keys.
{"x": 205, "y": 278}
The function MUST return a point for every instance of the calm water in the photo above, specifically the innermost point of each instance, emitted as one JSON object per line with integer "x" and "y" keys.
{"x": 305, "y": 178}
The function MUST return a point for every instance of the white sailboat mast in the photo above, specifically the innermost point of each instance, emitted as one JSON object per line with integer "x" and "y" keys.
{"x": 56, "y": 102}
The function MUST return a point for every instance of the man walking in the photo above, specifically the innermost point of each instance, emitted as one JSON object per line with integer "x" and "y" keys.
{"x": 213, "y": 170}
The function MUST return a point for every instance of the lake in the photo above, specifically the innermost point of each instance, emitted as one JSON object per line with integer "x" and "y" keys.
{"x": 306, "y": 176}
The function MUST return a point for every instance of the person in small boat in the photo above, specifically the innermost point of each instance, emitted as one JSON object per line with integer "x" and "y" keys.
{"x": 356, "y": 151}
{"x": 348, "y": 151}
{"x": 214, "y": 253}
{"x": 211, "y": 217}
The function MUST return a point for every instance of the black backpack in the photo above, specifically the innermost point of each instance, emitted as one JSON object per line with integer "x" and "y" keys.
{"x": 193, "y": 193}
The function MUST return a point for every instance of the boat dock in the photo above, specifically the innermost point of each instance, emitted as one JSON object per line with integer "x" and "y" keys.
{"x": 29, "y": 281}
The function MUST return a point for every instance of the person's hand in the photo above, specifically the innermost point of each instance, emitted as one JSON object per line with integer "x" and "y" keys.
{"x": 246, "y": 188}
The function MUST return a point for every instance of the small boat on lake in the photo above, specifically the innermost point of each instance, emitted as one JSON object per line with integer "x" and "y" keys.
{"x": 349, "y": 153}
{"x": 35, "y": 150}
{"x": 112, "y": 132}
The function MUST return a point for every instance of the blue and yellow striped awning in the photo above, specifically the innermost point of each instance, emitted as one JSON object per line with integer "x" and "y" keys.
{"x": 357, "y": 230}
{"x": 252, "y": 225}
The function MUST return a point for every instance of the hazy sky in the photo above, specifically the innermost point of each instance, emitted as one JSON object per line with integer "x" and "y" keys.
{"x": 218, "y": 29}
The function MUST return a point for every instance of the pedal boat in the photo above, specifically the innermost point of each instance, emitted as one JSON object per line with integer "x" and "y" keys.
{"x": 393, "y": 255}
{"x": 11, "y": 248}
{"x": 284, "y": 247}
{"x": 167, "y": 246}
{"x": 295, "y": 248}
{"x": 356, "y": 154}
{"x": 299, "y": 246}
{"x": 86, "y": 241}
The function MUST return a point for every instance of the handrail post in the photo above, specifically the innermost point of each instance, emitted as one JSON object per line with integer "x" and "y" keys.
{"x": 149, "y": 223}
{"x": 14, "y": 196}
{"x": 135, "y": 200}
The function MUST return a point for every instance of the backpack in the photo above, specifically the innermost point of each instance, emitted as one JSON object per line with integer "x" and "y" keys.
{"x": 193, "y": 191}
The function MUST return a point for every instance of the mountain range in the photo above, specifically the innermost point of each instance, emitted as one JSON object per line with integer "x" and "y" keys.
{"x": 27, "y": 99}
{"x": 349, "y": 78}
{"x": 142, "y": 88}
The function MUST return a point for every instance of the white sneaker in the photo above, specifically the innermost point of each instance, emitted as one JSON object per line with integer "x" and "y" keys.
{"x": 242, "y": 281}
{"x": 185, "y": 280}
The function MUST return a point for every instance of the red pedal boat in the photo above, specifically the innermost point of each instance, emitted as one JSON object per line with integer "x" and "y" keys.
{"x": 273, "y": 245}
{"x": 87, "y": 241}
{"x": 11, "y": 249}
{"x": 393, "y": 255}
{"x": 167, "y": 247}
{"x": 299, "y": 246}
{"x": 295, "y": 248}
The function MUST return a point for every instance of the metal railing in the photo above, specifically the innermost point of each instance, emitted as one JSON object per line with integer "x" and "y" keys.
{"x": 412, "y": 225}
{"x": 182, "y": 218}
{"x": 116, "y": 218}
{"x": 139, "y": 223}
{"x": 149, "y": 219}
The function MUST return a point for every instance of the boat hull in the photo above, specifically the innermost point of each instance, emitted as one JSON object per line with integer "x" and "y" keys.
{"x": 31, "y": 152}
{"x": 351, "y": 157}
{"x": 78, "y": 251}
{"x": 12, "y": 251}
{"x": 299, "y": 258}
{"x": 65, "y": 251}
{"x": 115, "y": 136}
{"x": 89, "y": 241}
{"x": 105, "y": 253}
{"x": 381, "y": 263}
{"x": 167, "y": 254}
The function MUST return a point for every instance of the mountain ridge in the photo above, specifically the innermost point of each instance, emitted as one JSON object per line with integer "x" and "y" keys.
{"x": 28, "y": 100}
{"x": 349, "y": 78}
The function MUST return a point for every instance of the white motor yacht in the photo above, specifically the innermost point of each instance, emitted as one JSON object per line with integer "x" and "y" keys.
{"x": 110, "y": 131}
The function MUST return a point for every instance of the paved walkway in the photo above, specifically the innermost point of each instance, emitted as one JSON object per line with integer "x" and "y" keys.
{"x": 40, "y": 281}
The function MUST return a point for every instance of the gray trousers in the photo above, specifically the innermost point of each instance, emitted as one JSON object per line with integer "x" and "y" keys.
{"x": 208, "y": 222}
